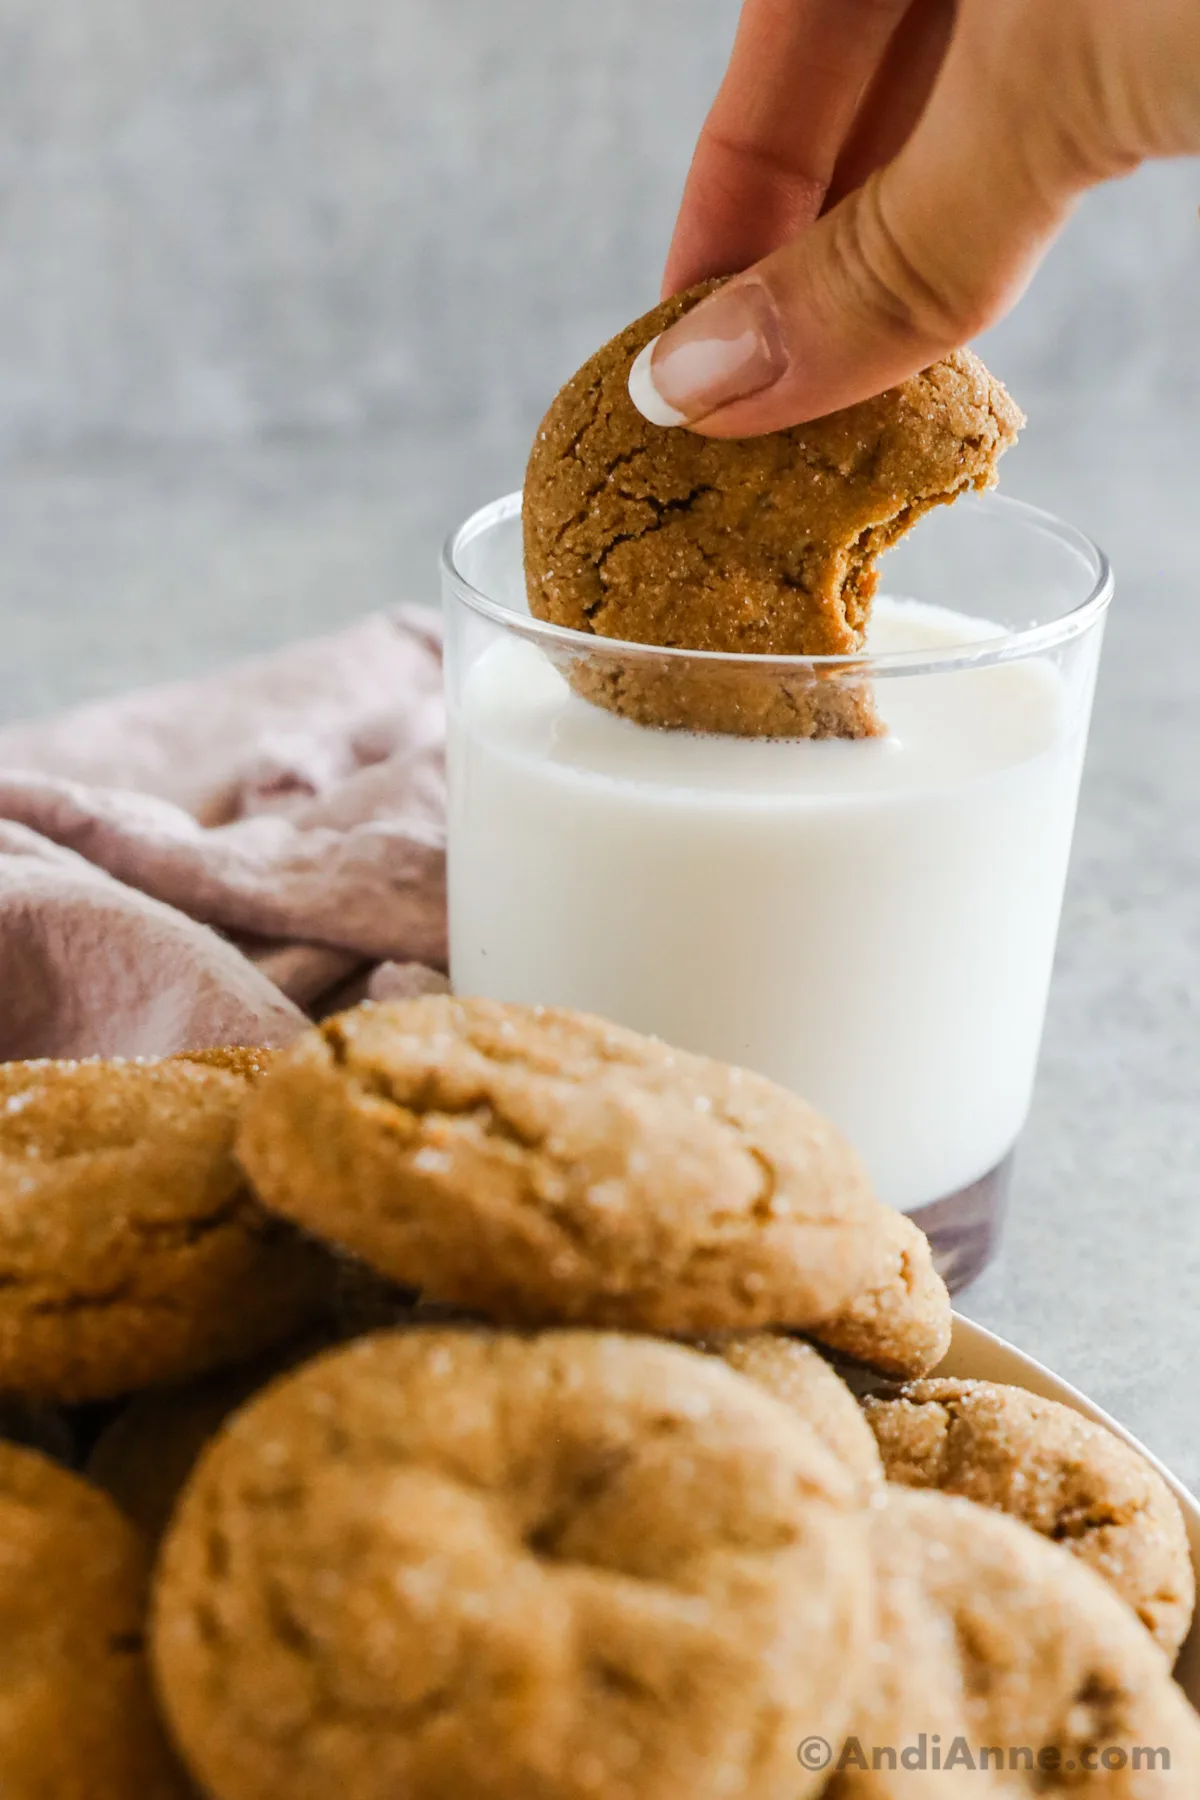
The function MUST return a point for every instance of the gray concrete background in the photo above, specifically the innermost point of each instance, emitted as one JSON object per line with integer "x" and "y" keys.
{"x": 284, "y": 288}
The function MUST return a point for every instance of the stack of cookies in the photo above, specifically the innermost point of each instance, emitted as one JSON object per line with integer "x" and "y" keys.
{"x": 486, "y": 1401}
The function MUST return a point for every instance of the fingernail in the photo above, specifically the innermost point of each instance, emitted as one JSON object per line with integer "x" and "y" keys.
{"x": 725, "y": 349}
{"x": 645, "y": 395}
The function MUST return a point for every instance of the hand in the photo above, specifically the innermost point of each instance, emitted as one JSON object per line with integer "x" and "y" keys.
{"x": 893, "y": 170}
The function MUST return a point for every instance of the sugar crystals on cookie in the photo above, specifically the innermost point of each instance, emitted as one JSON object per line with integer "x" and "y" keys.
{"x": 542, "y": 1166}
{"x": 759, "y": 547}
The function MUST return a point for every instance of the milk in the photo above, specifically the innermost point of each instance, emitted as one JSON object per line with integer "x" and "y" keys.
{"x": 870, "y": 923}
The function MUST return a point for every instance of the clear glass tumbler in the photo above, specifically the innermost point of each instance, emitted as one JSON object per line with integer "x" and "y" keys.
{"x": 872, "y": 921}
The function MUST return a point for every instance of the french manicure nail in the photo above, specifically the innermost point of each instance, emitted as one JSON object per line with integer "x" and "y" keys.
{"x": 645, "y": 395}
{"x": 725, "y": 349}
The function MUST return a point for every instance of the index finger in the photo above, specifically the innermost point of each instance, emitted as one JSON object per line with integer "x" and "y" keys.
{"x": 768, "y": 148}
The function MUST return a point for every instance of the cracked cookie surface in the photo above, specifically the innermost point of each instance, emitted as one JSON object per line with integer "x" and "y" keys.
{"x": 569, "y": 1566}
{"x": 541, "y": 1166}
{"x": 764, "y": 546}
{"x": 987, "y": 1634}
{"x": 132, "y": 1251}
{"x": 1067, "y": 1478}
{"x": 77, "y": 1721}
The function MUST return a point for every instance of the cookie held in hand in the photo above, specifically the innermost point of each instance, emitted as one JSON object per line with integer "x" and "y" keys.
{"x": 444, "y": 1563}
{"x": 540, "y": 1166}
{"x": 763, "y": 546}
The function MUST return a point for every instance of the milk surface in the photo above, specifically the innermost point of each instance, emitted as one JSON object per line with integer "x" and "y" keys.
{"x": 870, "y": 923}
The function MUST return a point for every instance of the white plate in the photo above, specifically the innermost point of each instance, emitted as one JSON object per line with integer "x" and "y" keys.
{"x": 975, "y": 1354}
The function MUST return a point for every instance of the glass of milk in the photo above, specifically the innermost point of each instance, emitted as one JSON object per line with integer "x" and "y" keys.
{"x": 870, "y": 922}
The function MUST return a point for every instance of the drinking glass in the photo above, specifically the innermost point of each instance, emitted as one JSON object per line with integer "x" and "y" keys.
{"x": 870, "y": 922}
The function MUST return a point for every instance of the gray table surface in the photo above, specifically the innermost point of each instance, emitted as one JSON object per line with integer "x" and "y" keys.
{"x": 124, "y": 567}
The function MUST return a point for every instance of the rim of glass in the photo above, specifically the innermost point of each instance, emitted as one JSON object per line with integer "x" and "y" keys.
{"x": 1032, "y": 640}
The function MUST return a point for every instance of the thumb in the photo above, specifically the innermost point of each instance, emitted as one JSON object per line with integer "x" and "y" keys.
{"x": 933, "y": 248}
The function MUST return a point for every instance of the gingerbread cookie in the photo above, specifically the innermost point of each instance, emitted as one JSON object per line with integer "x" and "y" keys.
{"x": 540, "y": 1166}
{"x": 989, "y": 1637}
{"x": 131, "y": 1249}
{"x": 764, "y": 546}
{"x": 575, "y": 1565}
{"x": 1067, "y": 1478}
{"x": 901, "y": 1324}
{"x": 799, "y": 1376}
{"x": 750, "y": 698}
{"x": 77, "y": 1721}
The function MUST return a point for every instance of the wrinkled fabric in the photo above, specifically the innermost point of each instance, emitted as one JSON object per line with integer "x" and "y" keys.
{"x": 218, "y": 860}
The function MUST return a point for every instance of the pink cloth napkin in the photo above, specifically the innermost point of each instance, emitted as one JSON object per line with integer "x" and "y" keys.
{"x": 214, "y": 861}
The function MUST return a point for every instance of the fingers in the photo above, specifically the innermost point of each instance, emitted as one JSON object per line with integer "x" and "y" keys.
{"x": 771, "y": 141}
{"x": 897, "y": 95}
{"x": 932, "y": 249}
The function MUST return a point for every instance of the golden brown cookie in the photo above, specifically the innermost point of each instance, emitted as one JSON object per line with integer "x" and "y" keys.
{"x": 237, "y": 1059}
{"x": 541, "y": 1166}
{"x": 763, "y": 545}
{"x": 446, "y": 1563}
{"x": 77, "y": 1721}
{"x": 755, "y": 697}
{"x": 1067, "y": 1478}
{"x": 131, "y": 1249}
{"x": 796, "y": 1374}
{"x": 902, "y": 1322}
{"x": 988, "y": 1636}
